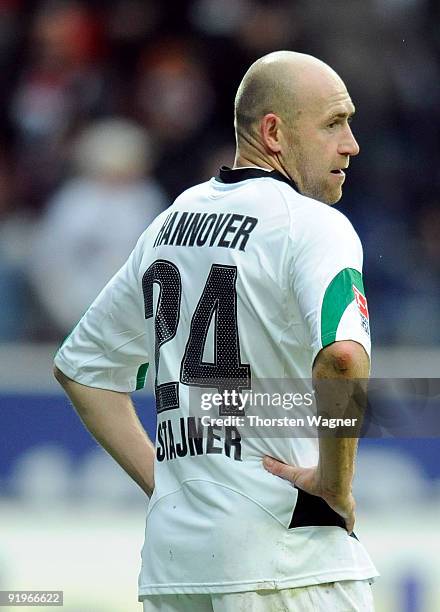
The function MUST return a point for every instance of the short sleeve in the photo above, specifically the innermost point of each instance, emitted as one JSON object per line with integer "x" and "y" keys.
{"x": 326, "y": 277}
{"x": 108, "y": 347}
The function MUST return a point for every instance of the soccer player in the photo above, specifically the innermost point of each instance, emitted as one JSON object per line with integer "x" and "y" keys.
{"x": 249, "y": 276}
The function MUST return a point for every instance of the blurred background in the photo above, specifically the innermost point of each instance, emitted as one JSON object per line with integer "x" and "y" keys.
{"x": 110, "y": 110}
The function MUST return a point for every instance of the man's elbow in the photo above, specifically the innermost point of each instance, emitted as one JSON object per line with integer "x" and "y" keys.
{"x": 343, "y": 358}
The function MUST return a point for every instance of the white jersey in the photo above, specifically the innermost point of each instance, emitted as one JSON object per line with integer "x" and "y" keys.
{"x": 241, "y": 279}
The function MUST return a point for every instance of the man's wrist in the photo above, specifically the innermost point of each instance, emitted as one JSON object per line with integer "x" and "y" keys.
{"x": 332, "y": 488}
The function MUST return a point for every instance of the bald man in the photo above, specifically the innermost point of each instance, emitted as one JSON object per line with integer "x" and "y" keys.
{"x": 248, "y": 282}
{"x": 292, "y": 115}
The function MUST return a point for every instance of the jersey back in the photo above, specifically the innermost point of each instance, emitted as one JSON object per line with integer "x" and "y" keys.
{"x": 235, "y": 288}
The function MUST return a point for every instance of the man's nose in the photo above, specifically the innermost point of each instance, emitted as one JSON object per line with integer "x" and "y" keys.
{"x": 349, "y": 144}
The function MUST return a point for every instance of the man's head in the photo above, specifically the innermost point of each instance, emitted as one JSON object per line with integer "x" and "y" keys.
{"x": 292, "y": 113}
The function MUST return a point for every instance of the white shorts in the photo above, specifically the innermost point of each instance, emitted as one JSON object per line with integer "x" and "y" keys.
{"x": 343, "y": 596}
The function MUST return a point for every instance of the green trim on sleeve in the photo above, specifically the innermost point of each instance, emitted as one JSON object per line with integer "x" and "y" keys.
{"x": 141, "y": 376}
{"x": 338, "y": 295}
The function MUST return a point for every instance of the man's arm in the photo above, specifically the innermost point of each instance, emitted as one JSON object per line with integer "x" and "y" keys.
{"x": 111, "y": 418}
{"x": 340, "y": 373}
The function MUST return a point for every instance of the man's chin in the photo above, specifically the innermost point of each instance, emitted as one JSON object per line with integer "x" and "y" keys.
{"x": 328, "y": 199}
{"x": 327, "y": 196}
{"x": 335, "y": 200}
{"x": 332, "y": 198}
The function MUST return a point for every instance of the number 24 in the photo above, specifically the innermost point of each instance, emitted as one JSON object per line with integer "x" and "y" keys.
{"x": 219, "y": 300}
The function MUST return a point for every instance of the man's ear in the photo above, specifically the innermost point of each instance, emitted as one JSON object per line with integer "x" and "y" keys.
{"x": 271, "y": 133}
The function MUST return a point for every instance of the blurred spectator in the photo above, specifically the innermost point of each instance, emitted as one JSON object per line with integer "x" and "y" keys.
{"x": 62, "y": 82}
{"x": 175, "y": 101}
{"x": 174, "y": 95}
{"x": 94, "y": 220}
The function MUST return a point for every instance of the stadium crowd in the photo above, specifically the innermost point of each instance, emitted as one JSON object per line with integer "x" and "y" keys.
{"x": 111, "y": 109}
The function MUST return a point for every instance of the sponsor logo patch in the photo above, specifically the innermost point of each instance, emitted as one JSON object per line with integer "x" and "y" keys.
{"x": 361, "y": 302}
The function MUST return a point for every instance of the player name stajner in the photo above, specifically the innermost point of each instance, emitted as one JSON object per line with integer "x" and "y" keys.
{"x": 206, "y": 229}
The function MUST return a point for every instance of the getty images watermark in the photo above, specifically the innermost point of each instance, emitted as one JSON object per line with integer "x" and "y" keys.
{"x": 376, "y": 408}
{"x": 236, "y": 402}
{"x": 273, "y": 408}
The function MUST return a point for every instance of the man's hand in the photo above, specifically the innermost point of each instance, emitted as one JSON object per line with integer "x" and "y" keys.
{"x": 308, "y": 480}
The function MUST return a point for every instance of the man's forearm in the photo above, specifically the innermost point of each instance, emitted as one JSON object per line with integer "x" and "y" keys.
{"x": 112, "y": 420}
{"x": 340, "y": 381}
{"x": 336, "y": 465}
